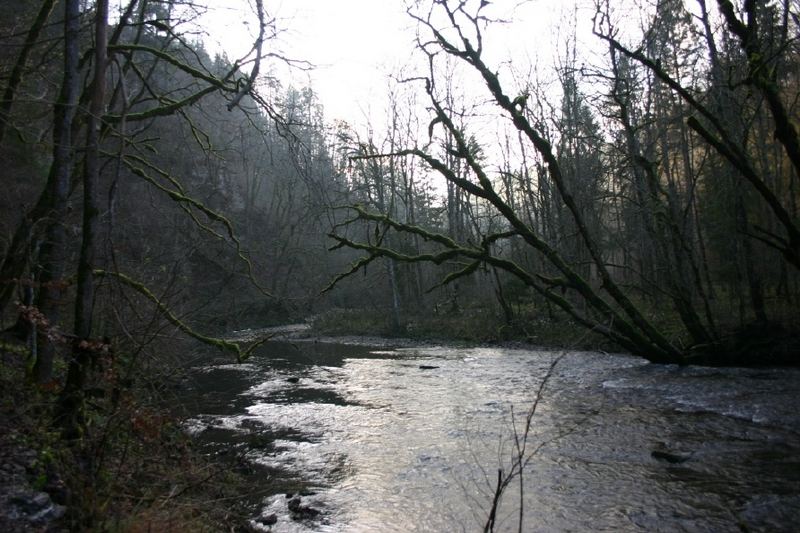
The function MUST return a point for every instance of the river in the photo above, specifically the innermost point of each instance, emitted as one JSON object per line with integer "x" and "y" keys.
{"x": 383, "y": 438}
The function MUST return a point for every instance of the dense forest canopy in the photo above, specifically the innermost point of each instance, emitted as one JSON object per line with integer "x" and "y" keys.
{"x": 647, "y": 193}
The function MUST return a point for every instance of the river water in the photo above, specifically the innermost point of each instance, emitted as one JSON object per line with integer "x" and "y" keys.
{"x": 381, "y": 438}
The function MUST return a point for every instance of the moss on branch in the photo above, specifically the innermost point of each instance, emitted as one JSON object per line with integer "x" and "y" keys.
{"x": 222, "y": 344}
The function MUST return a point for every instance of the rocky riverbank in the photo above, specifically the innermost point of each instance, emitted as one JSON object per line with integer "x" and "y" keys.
{"x": 24, "y": 504}
{"x": 33, "y": 496}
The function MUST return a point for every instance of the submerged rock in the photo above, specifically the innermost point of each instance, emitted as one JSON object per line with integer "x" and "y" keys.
{"x": 673, "y": 458}
{"x": 269, "y": 520}
{"x": 258, "y": 525}
{"x": 300, "y": 511}
{"x": 663, "y": 453}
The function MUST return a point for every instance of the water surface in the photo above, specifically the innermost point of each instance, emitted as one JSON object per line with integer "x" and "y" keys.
{"x": 379, "y": 441}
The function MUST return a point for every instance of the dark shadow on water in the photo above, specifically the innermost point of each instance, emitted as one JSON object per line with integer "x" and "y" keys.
{"x": 285, "y": 354}
{"x": 289, "y": 373}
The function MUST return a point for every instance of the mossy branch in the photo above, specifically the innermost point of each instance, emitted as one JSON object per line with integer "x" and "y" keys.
{"x": 355, "y": 267}
{"x": 172, "y": 60}
{"x": 452, "y": 276}
{"x": 14, "y": 348}
{"x": 222, "y": 344}
{"x": 494, "y": 237}
{"x": 187, "y": 203}
{"x": 620, "y": 331}
{"x": 167, "y": 109}
{"x": 379, "y": 251}
{"x": 363, "y": 214}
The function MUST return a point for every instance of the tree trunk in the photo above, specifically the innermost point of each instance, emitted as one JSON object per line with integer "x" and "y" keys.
{"x": 72, "y": 395}
{"x": 53, "y": 253}
{"x": 15, "y": 79}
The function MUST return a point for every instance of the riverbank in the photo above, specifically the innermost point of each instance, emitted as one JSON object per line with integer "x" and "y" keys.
{"x": 749, "y": 345}
{"x": 468, "y": 327}
{"x": 134, "y": 469}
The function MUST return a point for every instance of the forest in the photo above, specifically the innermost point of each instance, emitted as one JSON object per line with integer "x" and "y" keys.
{"x": 639, "y": 198}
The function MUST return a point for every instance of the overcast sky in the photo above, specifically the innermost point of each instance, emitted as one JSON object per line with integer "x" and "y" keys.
{"x": 353, "y": 44}
{"x": 356, "y": 44}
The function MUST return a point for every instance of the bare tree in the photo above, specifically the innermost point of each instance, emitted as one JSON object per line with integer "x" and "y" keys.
{"x": 618, "y": 318}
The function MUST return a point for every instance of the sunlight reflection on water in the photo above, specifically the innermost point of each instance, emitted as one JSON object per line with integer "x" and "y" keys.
{"x": 411, "y": 439}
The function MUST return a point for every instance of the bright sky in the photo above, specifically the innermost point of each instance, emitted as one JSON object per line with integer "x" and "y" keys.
{"x": 356, "y": 44}
{"x": 353, "y": 44}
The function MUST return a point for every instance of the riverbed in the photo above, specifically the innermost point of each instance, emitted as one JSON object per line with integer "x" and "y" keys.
{"x": 378, "y": 437}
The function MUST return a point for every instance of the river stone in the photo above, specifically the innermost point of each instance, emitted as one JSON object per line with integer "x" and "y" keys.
{"x": 294, "y": 504}
{"x": 30, "y": 502}
{"x": 269, "y": 520}
{"x": 300, "y": 511}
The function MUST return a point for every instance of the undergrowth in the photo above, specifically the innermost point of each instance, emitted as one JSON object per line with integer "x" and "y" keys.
{"x": 742, "y": 342}
{"x": 133, "y": 469}
{"x": 475, "y": 325}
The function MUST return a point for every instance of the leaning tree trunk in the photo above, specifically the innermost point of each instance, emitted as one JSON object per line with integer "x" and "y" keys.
{"x": 15, "y": 79}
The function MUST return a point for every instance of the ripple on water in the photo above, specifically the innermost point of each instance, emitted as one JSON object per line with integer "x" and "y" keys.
{"x": 395, "y": 447}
